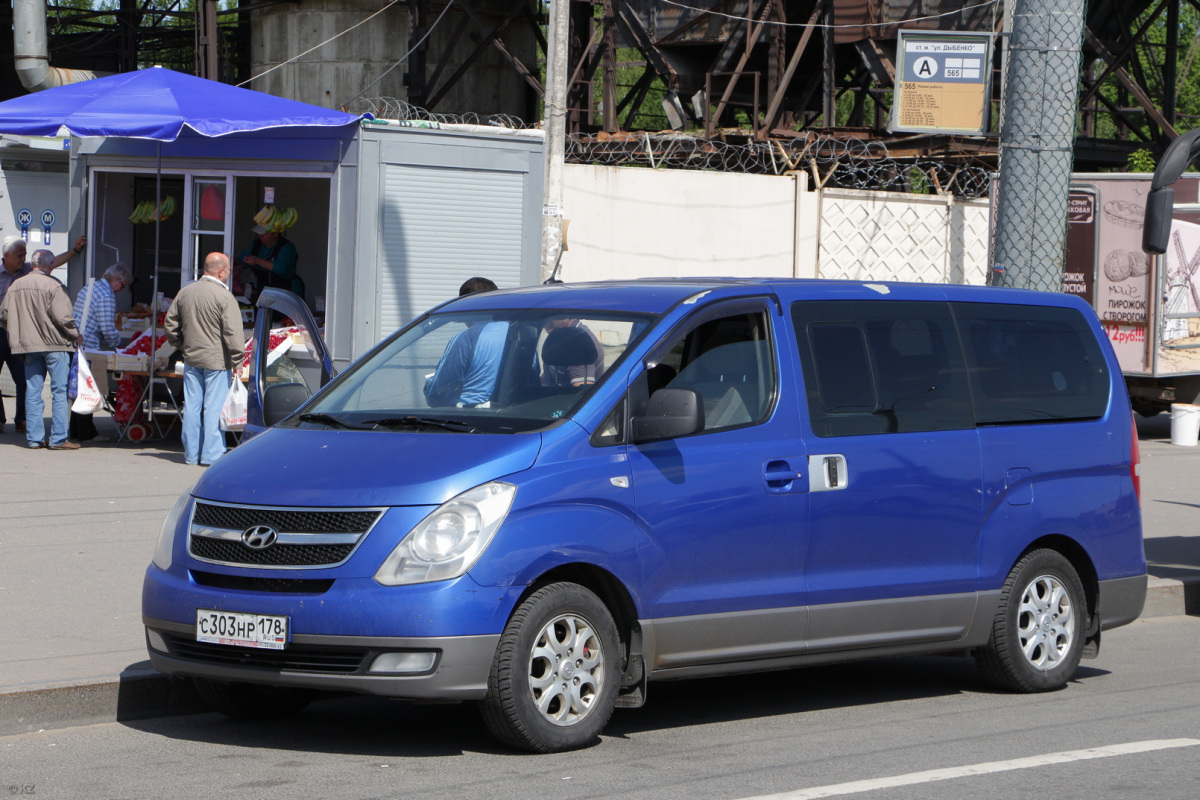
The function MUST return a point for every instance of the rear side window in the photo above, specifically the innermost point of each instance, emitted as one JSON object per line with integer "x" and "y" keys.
{"x": 1032, "y": 363}
{"x": 881, "y": 367}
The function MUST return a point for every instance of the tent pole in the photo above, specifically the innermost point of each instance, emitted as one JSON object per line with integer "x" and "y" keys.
{"x": 154, "y": 297}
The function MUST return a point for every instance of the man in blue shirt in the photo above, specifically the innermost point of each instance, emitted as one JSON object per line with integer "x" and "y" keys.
{"x": 102, "y": 313}
{"x": 101, "y": 325}
{"x": 466, "y": 375}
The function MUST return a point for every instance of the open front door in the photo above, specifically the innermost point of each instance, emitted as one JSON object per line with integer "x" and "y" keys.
{"x": 289, "y": 363}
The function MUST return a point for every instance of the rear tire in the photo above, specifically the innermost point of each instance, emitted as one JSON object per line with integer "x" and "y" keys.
{"x": 556, "y": 673}
{"x": 249, "y": 701}
{"x": 1038, "y": 634}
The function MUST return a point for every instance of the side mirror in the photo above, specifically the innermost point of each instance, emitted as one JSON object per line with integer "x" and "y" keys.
{"x": 1160, "y": 207}
{"x": 282, "y": 400}
{"x": 670, "y": 413}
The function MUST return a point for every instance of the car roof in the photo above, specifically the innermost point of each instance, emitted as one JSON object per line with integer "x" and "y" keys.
{"x": 650, "y": 296}
{"x": 658, "y": 295}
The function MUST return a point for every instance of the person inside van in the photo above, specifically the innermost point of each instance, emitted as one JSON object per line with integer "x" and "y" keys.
{"x": 466, "y": 374}
{"x": 585, "y": 365}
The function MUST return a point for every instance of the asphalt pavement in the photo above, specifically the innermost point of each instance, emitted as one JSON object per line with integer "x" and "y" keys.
{"x": 77, "y": 529}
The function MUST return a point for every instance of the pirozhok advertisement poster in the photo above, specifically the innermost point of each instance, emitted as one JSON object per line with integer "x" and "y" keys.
{"x": 1179, "y": 350}
{"x": 1122, "y": 285}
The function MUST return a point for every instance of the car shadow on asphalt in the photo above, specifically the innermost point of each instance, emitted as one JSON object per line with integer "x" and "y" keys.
{"x": 383, "y": 728}
{"x": 1176, "y": 557}
{"x": 1156, "y": 427}
{"x": 811, "y": 689}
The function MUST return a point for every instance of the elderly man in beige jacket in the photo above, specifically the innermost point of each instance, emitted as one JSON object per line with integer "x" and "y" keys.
{"x": 204, "y": 323}
{"x": 42, "y": 330}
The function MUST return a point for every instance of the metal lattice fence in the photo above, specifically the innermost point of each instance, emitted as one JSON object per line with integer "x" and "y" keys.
{"x": 846, "y": 163}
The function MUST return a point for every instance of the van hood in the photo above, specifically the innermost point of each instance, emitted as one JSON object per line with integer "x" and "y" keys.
{"x": 291, "y": 467}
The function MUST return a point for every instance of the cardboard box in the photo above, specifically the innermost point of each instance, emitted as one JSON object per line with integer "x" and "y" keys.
{"x": 120, "y": 362}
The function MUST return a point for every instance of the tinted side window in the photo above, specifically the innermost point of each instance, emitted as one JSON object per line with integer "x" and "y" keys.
{"x": 1032, "y": 363}
{"x": 881, "y": 367}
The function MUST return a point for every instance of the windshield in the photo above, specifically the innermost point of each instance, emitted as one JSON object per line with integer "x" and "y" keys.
{"x": 483, "y": 372}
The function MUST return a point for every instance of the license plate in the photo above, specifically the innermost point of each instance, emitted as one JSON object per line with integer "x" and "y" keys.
{"x": 241, "y": 630}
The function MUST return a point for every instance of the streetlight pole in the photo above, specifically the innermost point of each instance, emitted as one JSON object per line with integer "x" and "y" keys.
{"x": 556, "y": 131}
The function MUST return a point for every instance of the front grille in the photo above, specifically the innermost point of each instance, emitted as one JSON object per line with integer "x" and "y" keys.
{"x": 297, "y": 658}
{"x": 312, "y": 538}
{"x": 289, "y": 520}
{"x": 241, "y": 583}
{"x": 280, "y": 555}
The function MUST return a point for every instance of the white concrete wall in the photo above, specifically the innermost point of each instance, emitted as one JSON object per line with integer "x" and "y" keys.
{"x": 641, "y": 223}
{"x": 637, "y": 223}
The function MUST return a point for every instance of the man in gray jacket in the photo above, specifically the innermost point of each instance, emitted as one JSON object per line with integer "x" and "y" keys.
{"x": 42, "y": 330}
{"x": 205, "y": 324}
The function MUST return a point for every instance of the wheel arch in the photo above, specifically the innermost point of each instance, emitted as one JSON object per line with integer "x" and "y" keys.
{"x": 600, "y": 582}
{"x": 1083, "y": 565}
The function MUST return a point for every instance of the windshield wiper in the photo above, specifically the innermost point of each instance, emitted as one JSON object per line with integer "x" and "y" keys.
{"x": 418, "y": 422}
{"x": 328, "y": 419}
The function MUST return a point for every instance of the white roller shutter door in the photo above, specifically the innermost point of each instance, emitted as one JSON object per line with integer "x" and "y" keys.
{"x": 440, "y": 226}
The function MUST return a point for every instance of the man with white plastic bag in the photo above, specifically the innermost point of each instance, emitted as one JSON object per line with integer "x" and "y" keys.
{"x": 88, "y": 399}
{"x": 96, "y": 313}
{"x": 233, "y": 414}
{"x": 204, "y": 323}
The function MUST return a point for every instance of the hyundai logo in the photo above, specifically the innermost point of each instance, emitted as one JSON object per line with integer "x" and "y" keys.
{"x": 260, "y": 537}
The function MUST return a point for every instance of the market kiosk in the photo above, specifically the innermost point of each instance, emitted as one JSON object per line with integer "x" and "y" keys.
{"x": 388, "y": 218}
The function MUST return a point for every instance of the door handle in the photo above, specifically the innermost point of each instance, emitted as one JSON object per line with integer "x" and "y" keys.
{"x": 827, "y": 473}
{"x": 779, "y": 475}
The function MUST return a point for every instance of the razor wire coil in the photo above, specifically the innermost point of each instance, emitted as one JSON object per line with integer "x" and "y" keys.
{"x": 837, "y": 161}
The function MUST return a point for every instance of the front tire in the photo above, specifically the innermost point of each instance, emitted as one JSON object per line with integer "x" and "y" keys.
{"x": 1038, "y": 634}
{"x": 554, "y": 680}
{"x": 248, "y": 701}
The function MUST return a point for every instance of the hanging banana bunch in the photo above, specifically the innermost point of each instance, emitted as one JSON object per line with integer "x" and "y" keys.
{"x": 149, "y": 211}
{"x": 275, "y": 219}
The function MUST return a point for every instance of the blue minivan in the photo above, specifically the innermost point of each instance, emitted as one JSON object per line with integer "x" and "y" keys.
{"x": 543, "y": 499}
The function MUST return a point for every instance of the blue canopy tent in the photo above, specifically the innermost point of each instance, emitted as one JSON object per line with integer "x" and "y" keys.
{"x": 164, "y": 106}
{"x": 159, "y": 104}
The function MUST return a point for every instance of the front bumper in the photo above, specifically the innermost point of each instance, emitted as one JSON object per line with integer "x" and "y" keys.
{"x": 336, "y": 633}
{"x": 335, "y": 663}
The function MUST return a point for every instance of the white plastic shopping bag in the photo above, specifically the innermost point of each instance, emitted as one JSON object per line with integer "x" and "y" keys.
{"x": 87, "y": 395}
{"x": 233, "y": 413}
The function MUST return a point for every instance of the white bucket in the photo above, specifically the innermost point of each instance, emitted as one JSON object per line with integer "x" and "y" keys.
{"x": 1185, "y": 424}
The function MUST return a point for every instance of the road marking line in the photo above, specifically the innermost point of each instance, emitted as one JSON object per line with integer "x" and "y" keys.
{"x": 929, "y": 776}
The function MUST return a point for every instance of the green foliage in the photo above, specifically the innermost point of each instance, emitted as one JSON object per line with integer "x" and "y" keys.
{"x": 1140, "y": 161}
{"x": 918, "y": 181}
{"x": 630, "y": 70}
{"x": 1149, "y": 58}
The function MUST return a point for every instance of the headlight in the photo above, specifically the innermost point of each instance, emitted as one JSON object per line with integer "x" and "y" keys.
{"x": 447, "y": 543}
{"x": 166, "y": 537}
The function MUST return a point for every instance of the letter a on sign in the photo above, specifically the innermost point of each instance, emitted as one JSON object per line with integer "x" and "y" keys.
{"x": 925, "y": 68}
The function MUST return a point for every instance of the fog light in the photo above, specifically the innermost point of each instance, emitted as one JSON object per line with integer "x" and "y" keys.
{"x": 411, "y": 663}
{"x": 156, "y": 641}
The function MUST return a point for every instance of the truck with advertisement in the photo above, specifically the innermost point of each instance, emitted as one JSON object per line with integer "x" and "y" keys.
{"x": 1149, "y": 303}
